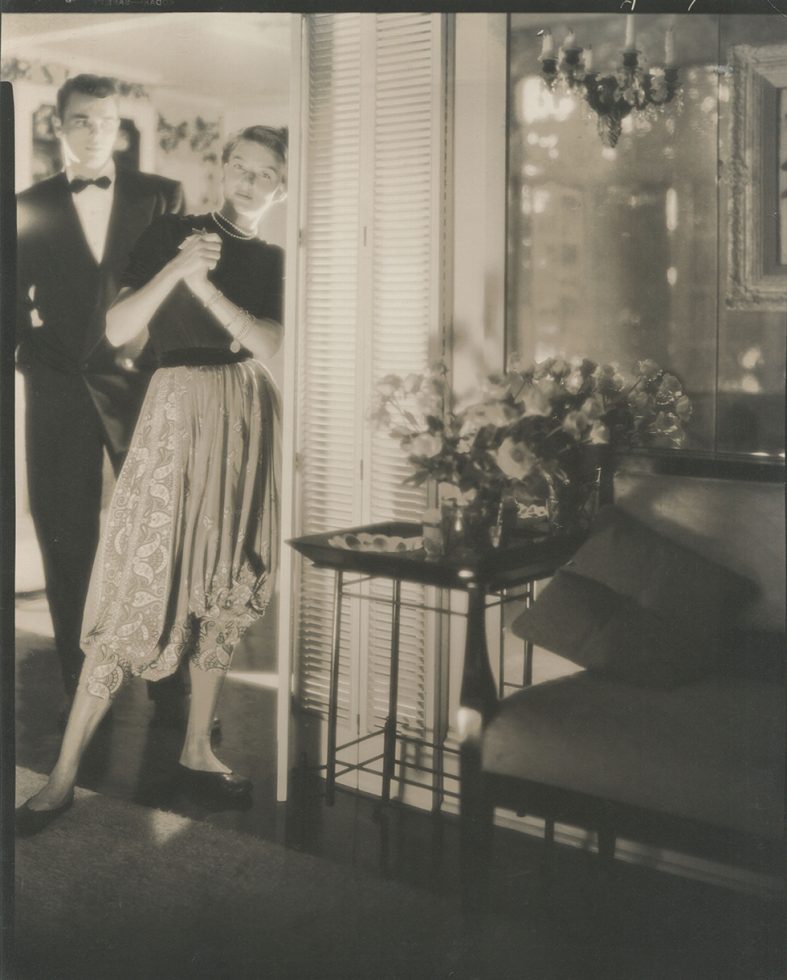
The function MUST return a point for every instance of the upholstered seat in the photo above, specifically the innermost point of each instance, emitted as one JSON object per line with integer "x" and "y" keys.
{"x": 673, "y": 733}
{"x": 711, "y": 751}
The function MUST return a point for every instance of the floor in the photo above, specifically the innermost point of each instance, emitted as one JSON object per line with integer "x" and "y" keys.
{"x": 647, "y": 925}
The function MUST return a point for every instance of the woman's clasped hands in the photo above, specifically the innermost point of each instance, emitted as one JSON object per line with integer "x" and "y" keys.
{"x": 198, "y": 254}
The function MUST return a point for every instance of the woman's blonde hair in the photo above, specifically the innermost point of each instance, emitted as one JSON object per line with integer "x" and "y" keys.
{"x": 271, "y": 137}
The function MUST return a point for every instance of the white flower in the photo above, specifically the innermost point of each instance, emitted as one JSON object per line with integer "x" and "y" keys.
{"x": 515, "y": 459}
{"x": 426, "y": 444}
{"x": 542, "y": 368}
{"x": 593, "y": 407}
{"x": 574, "y": 382}
{"x": 388, "y": 385}
{"x": 683, "y": 408}
{"x": 495, "y": 386}
{"x": 496, "y": 413}
{"x": 575, "y": 423}
{"x": 647, "y": 368}
{"x": 535, "y": 399}
{"x": 485, "y": 413}
{"x": 428, "y": 402}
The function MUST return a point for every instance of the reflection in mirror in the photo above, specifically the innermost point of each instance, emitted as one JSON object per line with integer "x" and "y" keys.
{"x": 179, "y": 100}
{"x": 618, "y": 252}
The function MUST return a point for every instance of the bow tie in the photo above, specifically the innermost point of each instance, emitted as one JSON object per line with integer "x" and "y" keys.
{"x": 78, "y": 184}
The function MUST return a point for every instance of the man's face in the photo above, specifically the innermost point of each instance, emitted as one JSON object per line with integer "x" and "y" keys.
{"x": 253, "y": 178}
{"x": 88, "y": 130}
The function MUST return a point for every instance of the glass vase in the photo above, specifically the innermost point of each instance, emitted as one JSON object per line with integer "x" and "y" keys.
{"x": 475, "y": 527}
{"x": 572, "y": 503}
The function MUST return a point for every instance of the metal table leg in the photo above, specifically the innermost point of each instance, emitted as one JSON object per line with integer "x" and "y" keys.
{"x": 333, "y": 697}
{"x": 389, "y": 744}
{"x": 501, "y": 641}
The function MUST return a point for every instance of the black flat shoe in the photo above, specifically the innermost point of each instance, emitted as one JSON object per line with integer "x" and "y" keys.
{"x": 28, "y": 822}
{"x": 221, "y": 785}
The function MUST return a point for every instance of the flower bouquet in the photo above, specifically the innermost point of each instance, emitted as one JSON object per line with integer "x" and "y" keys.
{"x": 536, "y": 439}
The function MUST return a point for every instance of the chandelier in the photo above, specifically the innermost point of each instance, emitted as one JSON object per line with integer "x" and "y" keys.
{"x": 612, "y": 97}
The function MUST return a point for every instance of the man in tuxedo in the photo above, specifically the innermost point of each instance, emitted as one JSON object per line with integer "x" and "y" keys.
{"x": 75, "y": 233}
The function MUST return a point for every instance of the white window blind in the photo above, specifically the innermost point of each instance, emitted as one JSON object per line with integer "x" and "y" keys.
{"x": 372, "y": 288}
{"x": 330, "y": 444}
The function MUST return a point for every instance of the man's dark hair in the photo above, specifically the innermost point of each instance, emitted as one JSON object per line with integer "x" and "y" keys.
{"x": 95, "y": 85}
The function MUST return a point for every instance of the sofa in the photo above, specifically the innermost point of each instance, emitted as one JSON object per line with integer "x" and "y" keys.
{"x": 671, "y": 731}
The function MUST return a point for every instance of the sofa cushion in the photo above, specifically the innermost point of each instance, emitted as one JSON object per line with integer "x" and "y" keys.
{"x": 660, "y": 575}
{"x": 737, "y": 523}
{"x": 591, "y": 625}
{"x": 712, "y": 750}
{"x": 569, "y": 610}
{"x": 640, "y": 646}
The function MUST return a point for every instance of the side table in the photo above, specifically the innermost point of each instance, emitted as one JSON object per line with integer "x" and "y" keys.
{"x": 520, "y": 562}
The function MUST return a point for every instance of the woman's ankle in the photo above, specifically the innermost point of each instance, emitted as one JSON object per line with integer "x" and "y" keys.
{"x": 52, "y": 794}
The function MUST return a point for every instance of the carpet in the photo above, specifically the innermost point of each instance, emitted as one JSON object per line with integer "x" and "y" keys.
{"x": 113, "y": 889}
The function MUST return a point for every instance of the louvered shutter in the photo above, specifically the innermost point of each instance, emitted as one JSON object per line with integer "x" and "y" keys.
{"x": 372, "y": 287}
{"x": 405, "y": 278}
{"x": 330, "y": 449}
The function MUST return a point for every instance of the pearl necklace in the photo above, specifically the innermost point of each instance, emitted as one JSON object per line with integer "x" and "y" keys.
{"x": 243, "y": 234}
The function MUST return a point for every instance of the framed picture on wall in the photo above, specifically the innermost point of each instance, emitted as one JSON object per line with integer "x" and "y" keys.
{"x": 758, "y": 239}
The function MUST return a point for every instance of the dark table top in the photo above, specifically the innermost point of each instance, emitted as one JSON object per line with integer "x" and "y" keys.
{"x": 520, "y": 560}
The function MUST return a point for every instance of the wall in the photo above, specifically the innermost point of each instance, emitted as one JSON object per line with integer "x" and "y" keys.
{"x": 478, "y": 198}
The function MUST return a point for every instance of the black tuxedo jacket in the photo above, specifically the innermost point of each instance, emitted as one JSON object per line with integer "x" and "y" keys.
{"x": 63, "y": 294}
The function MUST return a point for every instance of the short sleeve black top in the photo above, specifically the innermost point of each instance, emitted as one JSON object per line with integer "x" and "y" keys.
{"x": 250, "y": 273}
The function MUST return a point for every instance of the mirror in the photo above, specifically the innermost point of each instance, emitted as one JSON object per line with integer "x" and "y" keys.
{"x": 185, "y": 84}
{"x": 645, "y": 248}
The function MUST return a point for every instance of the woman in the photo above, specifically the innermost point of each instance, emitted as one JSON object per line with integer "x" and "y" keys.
{"x": 187, "y": 557}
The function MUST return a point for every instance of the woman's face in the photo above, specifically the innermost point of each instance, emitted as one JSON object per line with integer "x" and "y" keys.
{"x": 253, "y": 178}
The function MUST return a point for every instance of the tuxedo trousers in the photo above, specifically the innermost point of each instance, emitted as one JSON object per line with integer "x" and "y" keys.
{"x": 64, "y": 444}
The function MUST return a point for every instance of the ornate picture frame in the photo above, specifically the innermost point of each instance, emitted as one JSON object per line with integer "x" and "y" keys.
{"x": 757, "y": 276}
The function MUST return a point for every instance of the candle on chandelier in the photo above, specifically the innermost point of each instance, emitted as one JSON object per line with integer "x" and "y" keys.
{"x": 589, "y": 58}
{"x": 669, "y": 47}
{"x": 630, "y": 44}
{"x": 547, "y": 45}
{"x": 570, "y": 41}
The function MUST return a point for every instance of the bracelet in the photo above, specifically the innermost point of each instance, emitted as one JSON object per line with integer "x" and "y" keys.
{"x": 245, "y": 327}
{"x": 232, "y": 320}
{"x": 212, "y": 299}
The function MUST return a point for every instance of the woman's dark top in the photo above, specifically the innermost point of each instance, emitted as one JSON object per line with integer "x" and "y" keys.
{"x": 250, "y": 273}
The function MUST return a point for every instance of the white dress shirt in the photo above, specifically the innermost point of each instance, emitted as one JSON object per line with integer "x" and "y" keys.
{"x": 94, "y": 205}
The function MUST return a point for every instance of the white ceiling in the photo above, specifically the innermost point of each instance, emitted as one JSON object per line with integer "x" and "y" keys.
{"x": 230, "y": 57}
